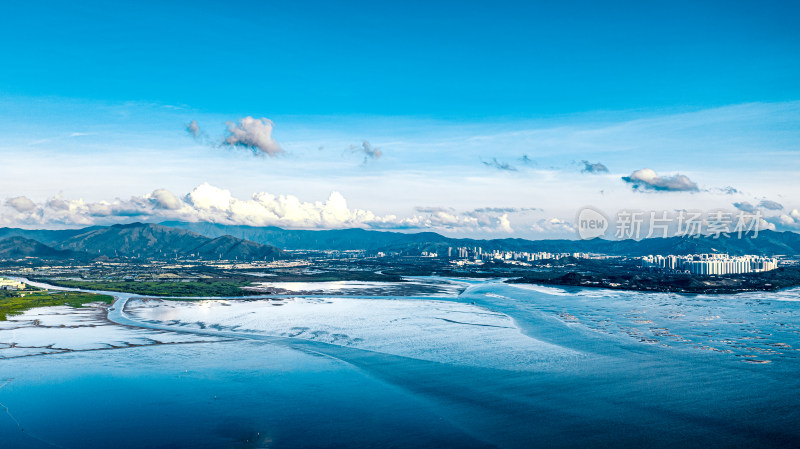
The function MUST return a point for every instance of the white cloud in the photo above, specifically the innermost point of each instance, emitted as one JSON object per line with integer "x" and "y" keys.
{"x": 553, "y": 225}
{"x": 164, "y": 199}
{"x": 787, "y": 221}
{"x": 253, "y": 134}
{"x": 503, "y": 224}
{"x": 21, "y": 204}
{"x": 764, "y": 224}
{"x": 209, "y": 203}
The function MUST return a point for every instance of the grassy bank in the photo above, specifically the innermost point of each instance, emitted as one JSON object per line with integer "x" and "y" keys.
{"x": 161, "y": 288}
{"x": 14, "y": 303}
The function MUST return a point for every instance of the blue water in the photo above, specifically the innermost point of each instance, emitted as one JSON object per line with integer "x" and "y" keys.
{"x": 660, "y": 371}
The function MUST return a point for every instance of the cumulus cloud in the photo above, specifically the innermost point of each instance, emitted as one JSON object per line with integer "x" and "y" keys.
{"x": 593, "y": 168}
{"x": 770, "y": 205}
{"x": 21, "y": 204}
{"x": 647, "y": 179}
{"x": 446, "y": 219}
{"x": 764, "y": 224}
{"x": 553, "y": 225}
{"x": 367, "y": 150}
{"x": 485, "y": 219}
{"x": 499, "y": 165}
{"x": 788, "y": 221}
{"x": 213, "y": 204}
{"x": 208, "y": 203}
{"x": 58, "y": 203}
{"x": 164, "y": 199}
{"x": 253, "y": 134}
{"x": 503, "y": 224}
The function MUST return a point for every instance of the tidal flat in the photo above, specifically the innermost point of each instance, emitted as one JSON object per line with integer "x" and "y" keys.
{"x": 481, "y": 364}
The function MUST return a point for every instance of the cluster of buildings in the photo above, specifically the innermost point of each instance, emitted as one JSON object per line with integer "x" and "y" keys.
{"x": 476, "y": 253}
{"x": 8, "y": 284}
{"x": 705, "y": 264}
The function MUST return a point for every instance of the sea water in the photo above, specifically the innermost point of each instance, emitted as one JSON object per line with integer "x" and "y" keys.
{"x": 524, "y": 366}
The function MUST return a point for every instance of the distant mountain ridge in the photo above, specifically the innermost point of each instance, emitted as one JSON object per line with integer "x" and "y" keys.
{"x": 17, "y": 247}
{"x": 212, "y": 241}
{"x": 137, "y": 240}
{"x": 767, "y": 242}
{"x": 45, "y": 236}
{"x": 319, "y": 240}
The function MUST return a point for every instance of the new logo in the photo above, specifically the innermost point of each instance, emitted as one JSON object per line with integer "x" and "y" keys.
{"x": 591, "y": 223}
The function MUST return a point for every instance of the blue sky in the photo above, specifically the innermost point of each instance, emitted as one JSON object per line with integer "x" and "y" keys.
{"x": 475, "y": 105}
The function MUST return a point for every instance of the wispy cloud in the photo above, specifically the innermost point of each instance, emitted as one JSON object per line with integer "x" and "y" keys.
{"x": 593, "y": 168}
{"x": 367, "y": 150}
{"x": 494, "y": 163}
{"x": 728, "y": 190}
{"x": 193, "y": 128}
{"x": 745, "y": 206}
{"x": 763, "y": 204}
{"x": 504, "y": 210}
{"x": 771, "y": 205}
{"x": 433, "y": 209}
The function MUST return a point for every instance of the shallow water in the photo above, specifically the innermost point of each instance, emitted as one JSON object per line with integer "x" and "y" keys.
{"x": 554, "y": 368}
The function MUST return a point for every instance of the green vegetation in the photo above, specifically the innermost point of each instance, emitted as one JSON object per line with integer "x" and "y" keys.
{"x": 333, "y": 276}
{"x": 162, "y": 288}
{"x": 223, "y": 284}
{"x": 16, "y": 302}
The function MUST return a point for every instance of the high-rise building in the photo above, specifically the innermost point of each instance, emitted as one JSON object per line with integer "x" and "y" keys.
{"x": 711, "y": 264}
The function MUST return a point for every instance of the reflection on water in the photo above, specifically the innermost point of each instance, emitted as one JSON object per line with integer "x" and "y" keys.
{"x": 232, "y": 394}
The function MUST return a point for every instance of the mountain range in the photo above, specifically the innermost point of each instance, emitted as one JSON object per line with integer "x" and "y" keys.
{"x": 136, "y": 240}
{"x": 209, "y": 241}
{"x": 766, "y": 243}
{"x": 20, "y": 247}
